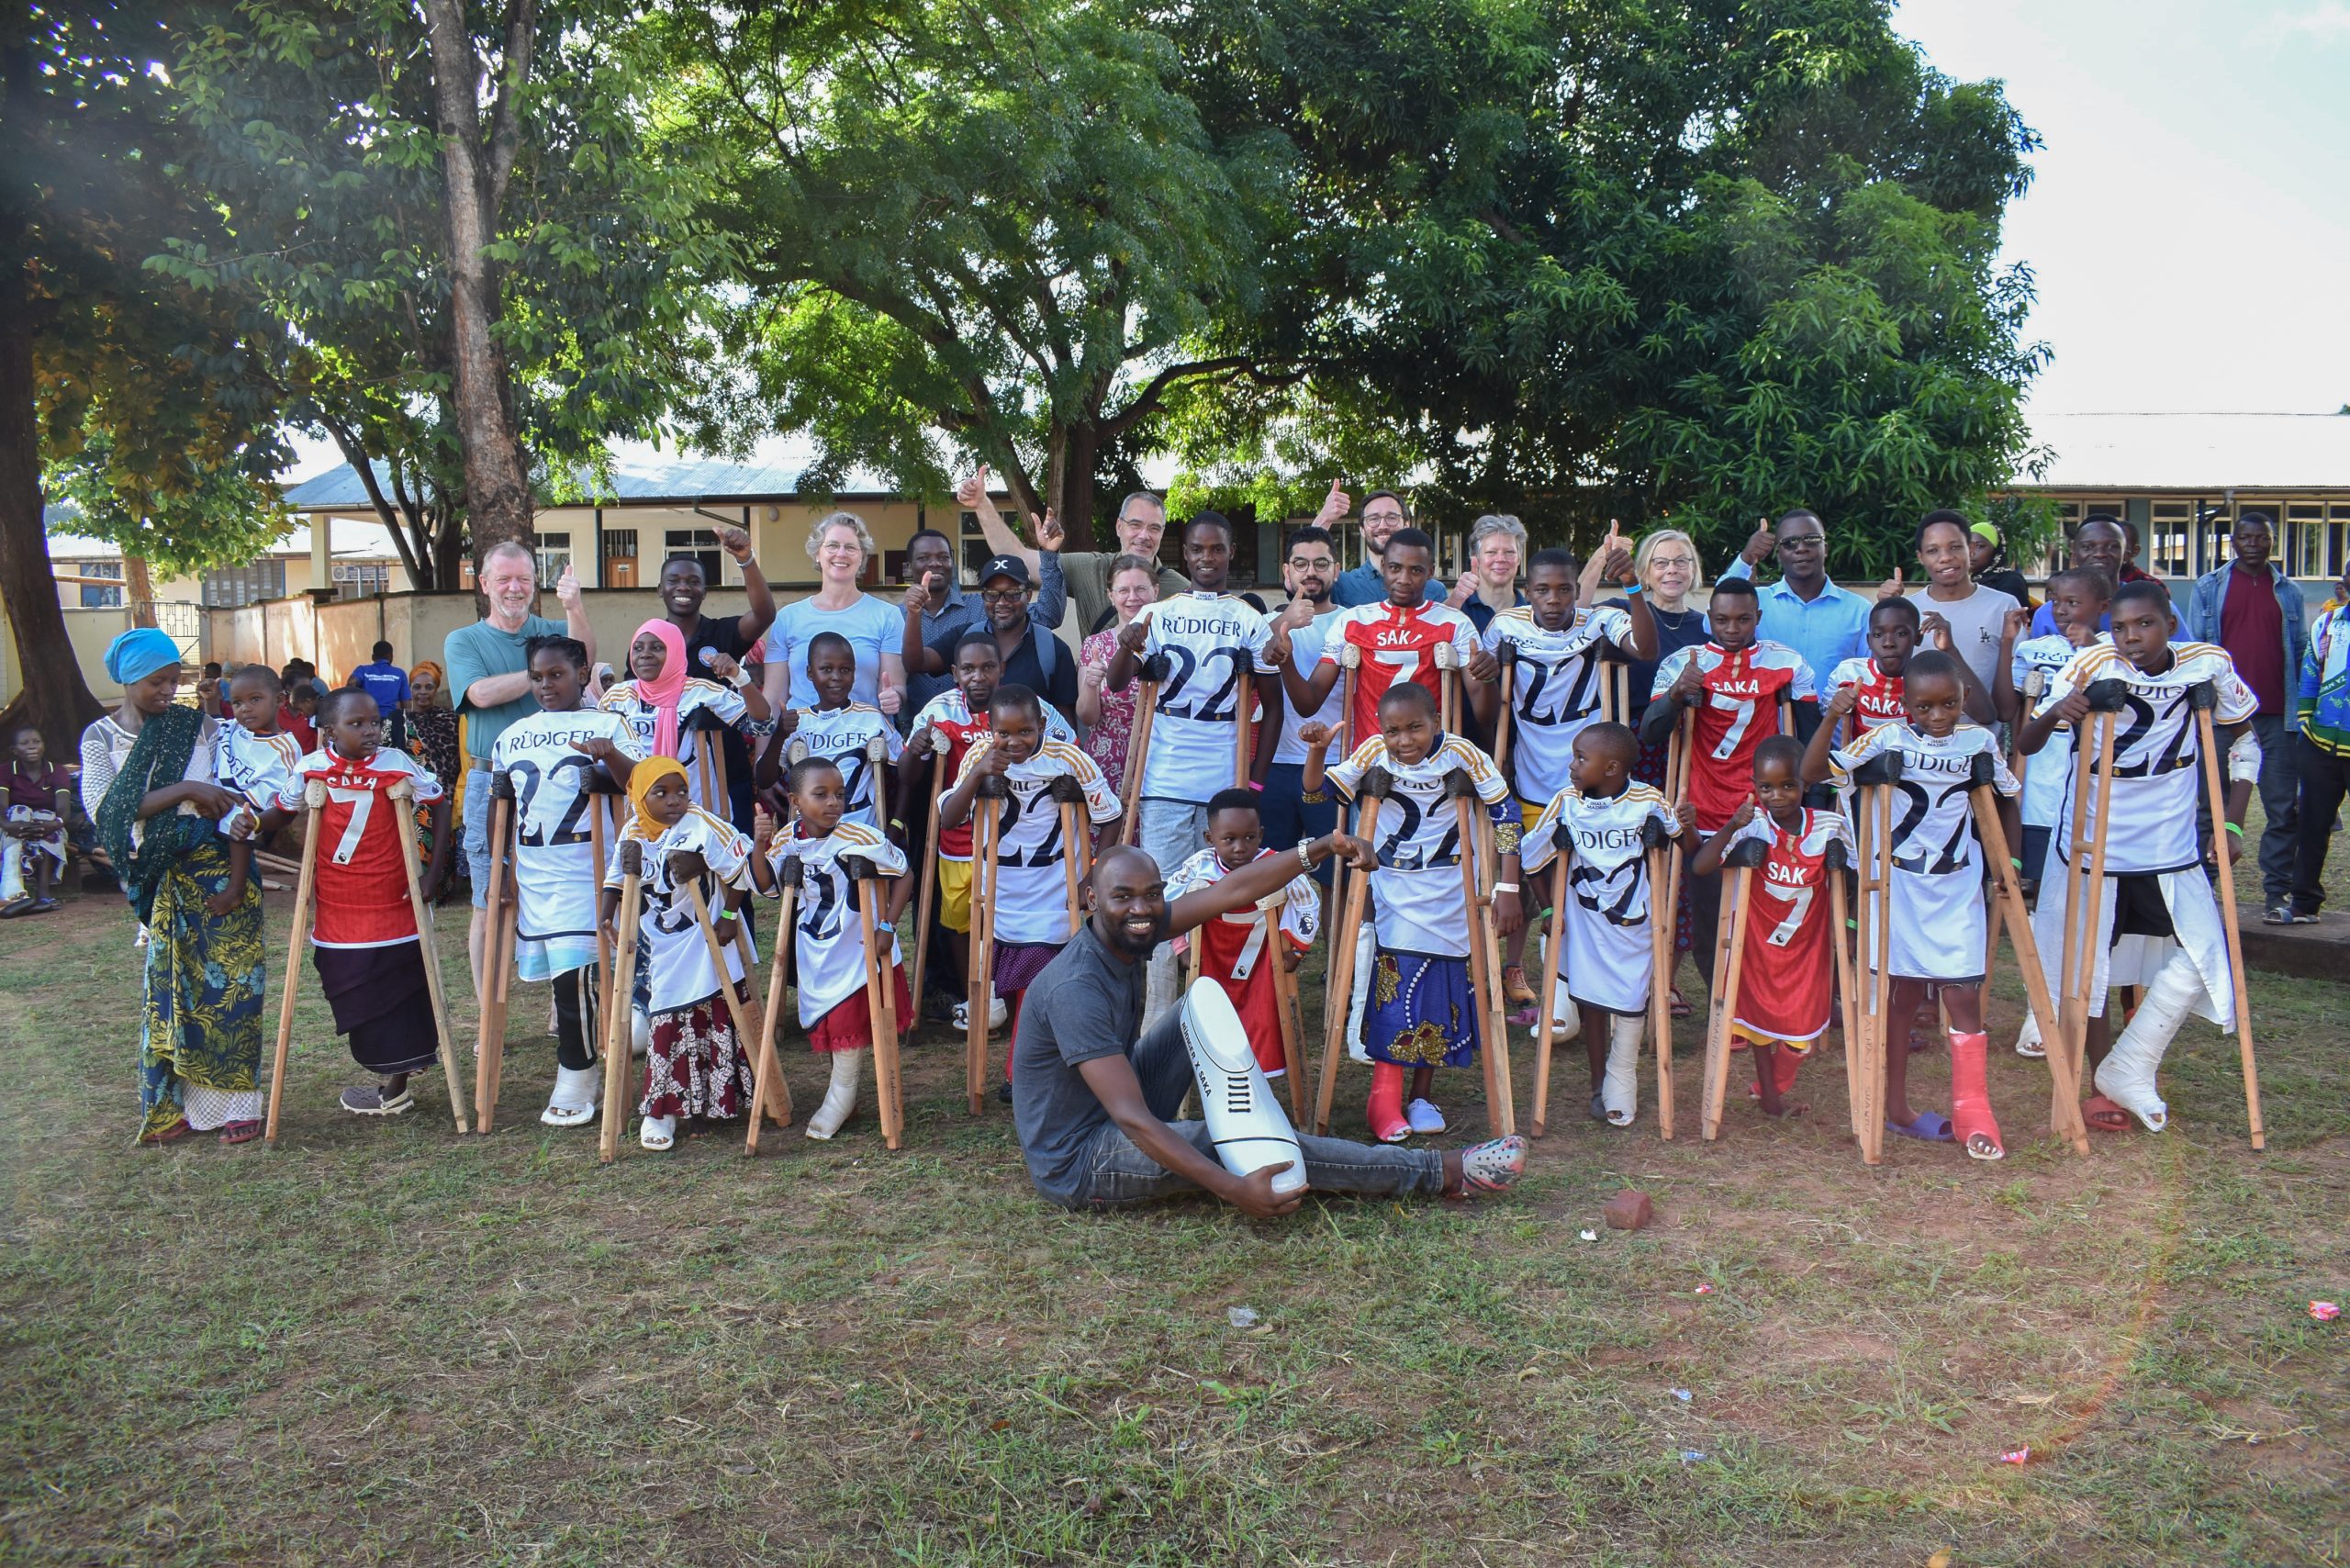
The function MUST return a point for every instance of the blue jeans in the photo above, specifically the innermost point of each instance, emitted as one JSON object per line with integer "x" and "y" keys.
{"x": 478, "y": 831}
{"x": 1116, "y": 1172}
{"x": 1288, "y": 819}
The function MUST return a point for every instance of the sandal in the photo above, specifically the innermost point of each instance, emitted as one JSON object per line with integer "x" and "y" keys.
{"x": 1931, "y": 1127}
{"x": 172, "y": 1134}
{"x": 1679, "y": 1003}
{"x": 240, "y": 1131}
{"x": 2104, "y": 1114}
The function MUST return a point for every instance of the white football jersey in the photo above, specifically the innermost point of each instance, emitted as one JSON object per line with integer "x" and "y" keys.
{"x": 2157, "y": 755}
{"x": 256, "y": 766}
{"x": 1607, "y": 958}
{"x": 1301, "y": 910}
{"x": 677, "y": 959}
{"x": 1215, "y": 643}
{"x": 1937, "y": 921}
{"x": 844, "y": 735}
{"x": 1306, "y": 645}
{"x": 2048, "y": 772}
{"x": 1417, "y": 886}
{"x": 1558, "y": 690}
{"x": 827, "y": 944}
{"x": 1030, "y": 901}
{"x": 721, "y": 703}
{"x": 555, "y": 875}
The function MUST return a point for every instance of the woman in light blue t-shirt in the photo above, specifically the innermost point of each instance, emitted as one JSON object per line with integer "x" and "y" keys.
{"x": 840, "y": 545}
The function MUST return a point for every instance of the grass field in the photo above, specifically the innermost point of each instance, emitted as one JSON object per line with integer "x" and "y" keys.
{"x": 378, "y": 1343}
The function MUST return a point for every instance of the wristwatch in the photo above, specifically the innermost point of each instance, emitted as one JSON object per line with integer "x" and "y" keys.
{"x": 1306, "y": 853}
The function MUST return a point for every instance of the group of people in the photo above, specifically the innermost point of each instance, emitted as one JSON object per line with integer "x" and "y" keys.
{"x": 1520, "y": 752}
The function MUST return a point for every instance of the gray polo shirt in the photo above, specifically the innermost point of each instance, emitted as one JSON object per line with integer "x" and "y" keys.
{"x": 1088, "y": 572}
{"x": 1087, "y": 1004}
{"x": 481, "y": 649}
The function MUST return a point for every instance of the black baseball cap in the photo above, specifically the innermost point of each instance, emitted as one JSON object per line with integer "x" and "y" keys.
{"x": 1011, "y": 566}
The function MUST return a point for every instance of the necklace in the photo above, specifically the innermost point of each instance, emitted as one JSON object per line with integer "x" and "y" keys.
{"x": 1670, "y": 623}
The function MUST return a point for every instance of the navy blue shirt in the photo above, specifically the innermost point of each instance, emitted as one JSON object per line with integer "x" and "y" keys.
{"x": 1363, "y": 584}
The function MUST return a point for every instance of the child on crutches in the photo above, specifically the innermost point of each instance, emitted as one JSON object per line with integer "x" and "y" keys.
{"x": 1935, "y": 914}
{"x": 669, "y": 708}
{"x": 840, "y": 729}
{"x": 2153, "y": 920}
{"x": 1029, "y": 911}
{"x": 365, "y": 939}
{"x": 831, "y": 947}
{"x": 697, "y": 1065}
{"x": 1604, "y": 823}
{"x": 1241, "y": 949}
{"x": 551, "y": 759}
{"x": 1785, "y": 993}
{"x": 1425, "y": 1012}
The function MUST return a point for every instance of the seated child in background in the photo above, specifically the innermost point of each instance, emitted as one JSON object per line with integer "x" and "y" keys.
{"x": 1938, "y": 915}
{"x": 1786, "y": 981}
{"x": 1607, "y": 962}
{"x": 1028, "y": 904}
{"x": 840, "y": 731}
{"x": 363, "y": 938}
{"x": 697, "y": 1064}
{"x": 1422, "y": 1009}
{"x": 1234, "y": 950}
{"x": 298, "y": 714}
{"x": 41, "y": 812}
{"x": 830, "y": 932}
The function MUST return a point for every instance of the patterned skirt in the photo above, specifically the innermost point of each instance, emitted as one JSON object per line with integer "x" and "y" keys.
{"x": 1423, "y": 1012}
{"x": 199, "y": 1047}
{"x": 696, "y": 1066}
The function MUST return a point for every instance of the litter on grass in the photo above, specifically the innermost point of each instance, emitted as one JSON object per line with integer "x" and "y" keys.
{"x": 2324, "y": 1311}
{"x": 1692, "y": 1456}
{"x": 1705, "y": 1289}
{"x": 1240, "y": 1317}
{"x": 1591, "y": 1236}
{"x": 1683, "y": 1394}
{"x": 2020, "y": 1456}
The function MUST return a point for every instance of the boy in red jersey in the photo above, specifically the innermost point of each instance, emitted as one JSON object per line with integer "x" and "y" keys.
{"x": 1234, "y": 949}
{"x": 1785, "y": 989}
{"x": 1735, "y": 683}
{"x": 363, "y": 938}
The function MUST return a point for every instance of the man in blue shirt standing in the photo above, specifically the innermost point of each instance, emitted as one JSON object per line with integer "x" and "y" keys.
{"x": 1825, "y": 623}
{"x": 387, "y": 684}
{"x": 1382, "y": 519}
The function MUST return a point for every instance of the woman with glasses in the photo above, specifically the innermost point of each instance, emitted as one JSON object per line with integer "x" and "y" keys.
{"x": 840, "y": 545}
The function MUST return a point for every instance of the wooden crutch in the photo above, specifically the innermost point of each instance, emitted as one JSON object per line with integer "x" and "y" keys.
{"x": 710, "y": 798}
{"x": 1244, "y": 728}
{"x": 880, "y": 997}
{"x": 750, "y": 1026}
{"x": 722, "y": 805}
{"x": 1678, "y": 758}
{"x": 1285, "y": 999}
{"x": 1069, "y": 801}
{"x": 766, "y": 1071}
{"x": 1875, "y": 780}
{"x": 2008, "y": 889}
{"x": 1505, "y": 655}
{"x": 1615, "y": 692}
{"x": 306, "y": 887}
{"x": 1741, "y": 861}
{"x": 2034, "y": 683}
{"x": 404, "y": 792}
{"x": 1154, "y": 669}
{"x": 987, "y": 823}
{"x": 2085, "y": 881}
{"x": 598, "y": 801}
{"x": 930, "y": 863}
{"x": 1836, "y": 863}
{"x": 1547, "y": 994}
{"x": 1660, "y": 849}
{"x": 1343, "y": 744}
{"x": 1338, "y": 992}
{"x": 497, "y": 956}
{"x": 780, "y": 1109}
{"x": 621, "y": 1007}
{"x": 2206, "y": 699}
{"x": 1447, "y": 659}
{"x": 1469, "y": 819}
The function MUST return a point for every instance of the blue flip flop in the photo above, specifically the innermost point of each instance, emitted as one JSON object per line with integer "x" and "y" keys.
{"x": 1931, "y": 1126}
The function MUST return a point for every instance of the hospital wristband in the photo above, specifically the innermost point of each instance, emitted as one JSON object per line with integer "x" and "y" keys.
{"x": 1505, "y": 887}
{"x": 2235, "y": 828}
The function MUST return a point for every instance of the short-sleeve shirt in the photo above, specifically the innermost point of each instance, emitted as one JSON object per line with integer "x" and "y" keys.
{"x": 556, "y": 874}
{"x": 2157, "y": 755}
{"x": 1214, "y": 646}
{"x": 1876, "y": 695}
{"x": 1786, "y": 990}
{"x": 1366, "y": 585}
{"x": 707, "y": 700}
{"x": 1605, "y": 958}
{"x": 950, "y": 714}
{"x": 1027, "y": 667}
{"x": 385, "y": 682}
{"x": 362, "y": 871}
{"x": 1417, "y": 887}
{"x": 873, "y": 626}
{"x": 482, "y": 649}
{"x": 1741, "y": 708}
{"x": 846, "y": 735}
{"x": 1978, "y": 624}
{"x": 1088, "y": 574}
{"x": 2046, "y": 771}
{"x": 679, "y": 974}
{"x": 827, "y": 938}
{"x": 1394, "y": 644}
{"x": 1086, "y": 1004}
{"x": 1029, "y": 898}
{"x": 1938, "y": 913}
{"x": 1557, "y": 690}
{"x": 256, "y": 766}
{"x": 1306, "y": 645}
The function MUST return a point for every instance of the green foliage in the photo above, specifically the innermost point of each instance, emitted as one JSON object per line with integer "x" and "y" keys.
{"x": 225, "y": 515}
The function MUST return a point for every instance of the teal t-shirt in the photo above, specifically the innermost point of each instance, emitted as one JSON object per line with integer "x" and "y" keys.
{"x": 481, "y": 649}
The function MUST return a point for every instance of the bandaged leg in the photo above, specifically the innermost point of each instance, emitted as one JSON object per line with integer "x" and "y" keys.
{"x": 1360, "y": 1000}
{"x": 1970, "y": 1096}
{"x": 1619, "y": 1088}
{"x": 1385, "y": 1110}
{"x": 2028, "y": 1041}
{"x": 1565, "y": 1017}
{"x": 2126, "y": 1076}
{"x": 572, "y": 1103}
{"x": 840, "y": 1100}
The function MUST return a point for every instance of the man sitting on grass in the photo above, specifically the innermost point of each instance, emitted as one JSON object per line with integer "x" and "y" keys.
{"x": 1092, "y": 1099}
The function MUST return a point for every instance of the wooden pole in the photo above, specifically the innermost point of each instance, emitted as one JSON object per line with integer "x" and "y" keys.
{"x": 1448, "y": 679}
{"x": 621, "y": 1007}
{"x": 403, "y": 793}
{"x": 2206, "y": 699}
{"x": 880, "y": 1005}
{"x": 1137, "y": 746}
{"x": 1244, "y": 714}
{"x": 1285, "y": 999}
{"x": 1339, "y": 991}
{"x": 2085, "y": 908}
{"x": 767, "y": 1070}
{"x": 2034, "y": 683}
{"x": 2010, "y": 893}
{"x": 1507, "y": 655}
{"x": 1547, "y": 992}
{"x": 1660, "y": 978}
{"x": 498, "y": 956}
{"x": 1836, "y": 865}
{"x": 1069, "y": 798}
{"x": 987, "y": 809}
{"x": 1743, "y": 858}
{"x": 314, "y": 798}
{"x": 750, "y": 1028}
{"x": 1467, "y": 810}
{"x": 929, "y": 876}
{"x": 596, "y": 806}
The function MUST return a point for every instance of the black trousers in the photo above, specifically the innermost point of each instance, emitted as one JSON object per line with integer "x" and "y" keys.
{"x": 2326, "y": 778}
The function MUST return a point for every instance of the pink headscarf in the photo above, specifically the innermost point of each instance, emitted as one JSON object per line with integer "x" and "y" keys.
{"x": 664, "y": 689}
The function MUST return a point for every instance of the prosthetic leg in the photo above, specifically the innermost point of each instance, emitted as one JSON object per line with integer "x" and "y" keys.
{"x": 1743, "y": 856}
{"x": 767, "y": 1068}
{"x": 306, "y": 887}
{"x": 618, "y": 1011}
{"x": 1377, "y": 783}
{"x": 497, "y": 961}
{"x": 404, "y": 793}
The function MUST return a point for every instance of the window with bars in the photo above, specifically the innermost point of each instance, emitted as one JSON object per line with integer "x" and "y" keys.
{"x": 554, "y": 551}
{"x": 701, "y": 544}
{"x": 973, "y": 548}
{"x": 96, "y": 596}
{"x": 233, "y": 586}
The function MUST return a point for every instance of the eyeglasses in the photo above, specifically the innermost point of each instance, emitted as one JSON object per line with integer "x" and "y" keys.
{"x": 1382, "y": 517}
{"x": 1673, "y": 561}
{"x": 1003, "y": 596}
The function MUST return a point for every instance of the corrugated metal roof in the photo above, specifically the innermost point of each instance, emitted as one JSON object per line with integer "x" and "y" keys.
{"x": 641, "y": 477}
{"x": 2205, "y": 452}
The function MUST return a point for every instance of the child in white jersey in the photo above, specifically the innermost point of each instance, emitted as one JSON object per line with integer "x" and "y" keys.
{"x": 1423, "y": 1011}
{"x": 830, "y": 932}
{"x": 253, "y": 756}
{"x": 1937, "y": 914}
{"x": 840, "y": 731}
{"x": 2078, "y": 600}
{"x": 555, "y": 758}
{"x": 1028, "y": 904}
{"x": 1605, "y": 822}
{"x": 697, "y": 1065}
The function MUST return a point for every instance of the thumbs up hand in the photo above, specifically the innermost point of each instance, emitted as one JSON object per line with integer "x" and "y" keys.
{"x": 1891, "y": 587}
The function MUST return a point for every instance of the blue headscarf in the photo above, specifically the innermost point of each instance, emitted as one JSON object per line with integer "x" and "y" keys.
{"x": 139, "y": 653}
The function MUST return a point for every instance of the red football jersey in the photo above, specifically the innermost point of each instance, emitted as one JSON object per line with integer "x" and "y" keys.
{"x": 1396, "y": 643}
{"x": 1741, "y": 709}
{"x": 362, "y": 884}
{"x": 1876, "y": 700}
{"x": 1785, "y": 987}
{"x": 1233, "y": 949}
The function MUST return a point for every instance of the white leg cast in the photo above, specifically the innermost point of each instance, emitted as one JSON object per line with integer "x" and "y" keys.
{"x": 572, "y": 1103}
{"x": 1566, "y": 1017}
{"x": 2126, "y": 1076}
{"x": 1359, "y": 1003}
{"x": 657, "y": 1133}
{"x": 2028, "y": 1042}
{"x": 1619, "y": 1086}
{"x": 640, "y": 1032}
{"x": 840, "y": 1100}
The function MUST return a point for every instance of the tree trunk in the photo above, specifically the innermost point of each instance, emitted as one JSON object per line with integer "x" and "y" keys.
{"x": 1072, "y": 488}
{"x": 138, "y": 590}
{"x": 498, "y": 481}
{"x": 54, "y": 698}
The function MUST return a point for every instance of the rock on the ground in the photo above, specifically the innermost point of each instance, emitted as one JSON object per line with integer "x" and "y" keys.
{"x": 1628, "y": 1210}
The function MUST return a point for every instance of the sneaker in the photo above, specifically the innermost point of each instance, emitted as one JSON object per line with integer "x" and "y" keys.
{"x": 369, "y": 1100}
{"x": 1492, "y": 1167}
{"x": 1423, "y": 1116}
{"x": 1003, "y": 1092}
{"x": 998, "y": 1014}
